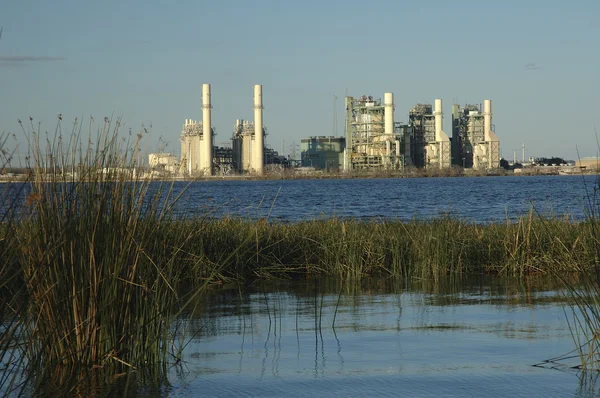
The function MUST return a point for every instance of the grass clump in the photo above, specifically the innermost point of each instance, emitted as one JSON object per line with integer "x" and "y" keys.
{"x": 89, "y": 285}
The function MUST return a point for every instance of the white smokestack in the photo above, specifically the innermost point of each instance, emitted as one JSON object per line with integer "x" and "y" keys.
{"x": 438, "y": 120}
{"x": 258, "y": 131}
{"x": 388, "y": 102}
{"x": 487, "y": 119}
{"x": 207, "y": 144}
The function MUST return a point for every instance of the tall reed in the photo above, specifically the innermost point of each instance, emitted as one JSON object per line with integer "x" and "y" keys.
{"x": 94, "y": 284}
{"x": 584, "y": 319}
{"x": 423, "y": 249}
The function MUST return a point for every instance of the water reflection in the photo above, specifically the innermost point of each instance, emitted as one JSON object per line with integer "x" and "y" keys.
{"x": 373, "y": 337}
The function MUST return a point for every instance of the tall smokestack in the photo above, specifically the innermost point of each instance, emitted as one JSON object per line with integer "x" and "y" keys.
{"x": 487, "y": 119}
{"x": 259, "y": 155}
{"x": 438, "y": 119}
{"x": 206, "y": 149}
{"x": 389, "y": 113}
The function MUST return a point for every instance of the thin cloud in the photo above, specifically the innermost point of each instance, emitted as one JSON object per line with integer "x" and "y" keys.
{"x": 24, "y": 59}
{"x": 532, "y": 66}
{"x": 28, "y": 58}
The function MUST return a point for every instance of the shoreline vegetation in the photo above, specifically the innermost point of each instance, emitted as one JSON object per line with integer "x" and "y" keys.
{"x": 96, "y": 272}
{"x": 25, "y": 174}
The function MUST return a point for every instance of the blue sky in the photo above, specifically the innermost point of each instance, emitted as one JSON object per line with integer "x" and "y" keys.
{"x": 538, "y": 61}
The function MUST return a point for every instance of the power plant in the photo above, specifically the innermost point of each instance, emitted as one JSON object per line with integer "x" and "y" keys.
{"x": 430, "y": 146}
{"x": 248, "y": 142}
{"x": 197, "y": 141}
{"x": 373, "y": 140}
{"x": 248, "y": 139}
{"x": 474, "y": 141}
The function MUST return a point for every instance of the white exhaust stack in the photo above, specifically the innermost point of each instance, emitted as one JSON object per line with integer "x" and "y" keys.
{"x": 258, "y": 131}
{"x": 389, "y": 113}
{"x": 388, "y": 102}
{"x": 438, "y": 120}
{"x": 487, "y": 120}
{"x": 207, "y": 144}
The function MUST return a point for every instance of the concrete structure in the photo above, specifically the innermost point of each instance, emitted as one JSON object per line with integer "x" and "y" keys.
{"x": 243, "y": 146}
{"x": 430, "y": 146}
{"x": 258, "y": 163}
{"x": 248, "y": 140}
{"x": 323, "y": 152}
{"x": 163, "y": 162}
{"x": 474, "y": 142}
{"x": 591, "y": 163}
{"x": 197, "y": 141}
{"x": 372, "y": 141}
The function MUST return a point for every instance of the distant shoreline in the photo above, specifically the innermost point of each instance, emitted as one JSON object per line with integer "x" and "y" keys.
{"x": 318, "y": 174}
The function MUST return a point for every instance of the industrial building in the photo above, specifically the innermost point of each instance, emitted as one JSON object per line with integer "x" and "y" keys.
{"x": 474, "y": 141}
{"x": 248, "y": 140}
{"x": 163, "y": 162}
{"x": 244, "y": 145}
{"x": 322, "y": 152}
{"x": 371, "y": 139}
{"x": 197, "y": 141}
{"x": 429, "y": 144}
{"x": 223, "y": 159}
{"x": 375, "y": 141}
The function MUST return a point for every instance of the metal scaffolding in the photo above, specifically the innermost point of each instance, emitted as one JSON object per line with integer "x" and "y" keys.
{"x": 368, "y": 144}
{"x": 474, "y": 142}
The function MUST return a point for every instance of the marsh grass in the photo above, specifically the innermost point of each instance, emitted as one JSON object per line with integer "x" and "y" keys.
{"x": 90, "y": 284}
{"x": 583, "y": 314}
{"x": 431, "y": 249}
{"x": 97, "y": 268}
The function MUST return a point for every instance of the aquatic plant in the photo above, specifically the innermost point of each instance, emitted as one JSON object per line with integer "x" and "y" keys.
{"x": 92, "y": 290}
{"x": 584, "y": 316}
{"x": 95, "y": 266}
{"x": 424, "y": 249}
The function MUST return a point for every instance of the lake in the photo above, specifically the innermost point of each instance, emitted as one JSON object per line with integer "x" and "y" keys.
{"x": 473, "y": 338}
{"x": 476, "y": 199}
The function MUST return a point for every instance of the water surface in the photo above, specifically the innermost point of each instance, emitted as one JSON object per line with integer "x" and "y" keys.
{"x": 472, "y": 340}
{"x": 477, "y": 199}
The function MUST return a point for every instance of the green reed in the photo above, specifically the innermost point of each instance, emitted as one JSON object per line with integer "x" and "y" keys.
{"x": 351, "y": 249}
{"x": 583, "y": 257}
{"x": 95, "y": 267}
{"x": 91, "y": 286}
